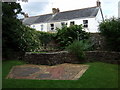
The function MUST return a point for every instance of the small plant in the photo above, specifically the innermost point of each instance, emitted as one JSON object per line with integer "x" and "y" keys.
{"x": 78, "y": 48}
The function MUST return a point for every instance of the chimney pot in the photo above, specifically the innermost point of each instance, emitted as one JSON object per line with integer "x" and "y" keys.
{"x": 55, "y": 10}
{"x": 26, "y": 15}
{"x": 98, "y": 3}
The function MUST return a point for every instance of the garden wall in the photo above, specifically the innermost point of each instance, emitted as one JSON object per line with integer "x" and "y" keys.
{"x": 99, "y": 41}
{"x": 51, "y": 58}
{"x": 65, "y": 57}
{"x": 103, "y": 56}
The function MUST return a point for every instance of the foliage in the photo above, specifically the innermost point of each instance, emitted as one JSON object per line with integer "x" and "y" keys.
{"x": 110, "y": 28}
{"x": 15, "y": 36}
{"x": 45, "y": 38}
{"x": 77, "y": 48}
{"x": 67, "y": 35}
{"x": 28, "y": 39}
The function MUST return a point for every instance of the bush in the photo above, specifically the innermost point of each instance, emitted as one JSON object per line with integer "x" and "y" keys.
{"x": 45, "y": 38}
{"x": 67, "y": 35}
{"x": 28, "y": 39}
{"x": 110, "y": 29}
{"x": 77, "y": 48}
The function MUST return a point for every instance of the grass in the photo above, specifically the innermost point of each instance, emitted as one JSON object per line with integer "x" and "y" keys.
{"x": 99, "y": 75}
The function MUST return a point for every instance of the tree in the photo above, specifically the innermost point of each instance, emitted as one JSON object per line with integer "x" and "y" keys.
{"x": 110, "y": 29}
{"x": 15, "y": 36}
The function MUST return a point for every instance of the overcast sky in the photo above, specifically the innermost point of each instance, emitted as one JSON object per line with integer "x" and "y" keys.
{"x": 40, "y": 7}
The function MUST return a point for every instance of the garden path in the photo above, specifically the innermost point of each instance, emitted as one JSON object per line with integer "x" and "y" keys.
{"x": 42, "y": 72}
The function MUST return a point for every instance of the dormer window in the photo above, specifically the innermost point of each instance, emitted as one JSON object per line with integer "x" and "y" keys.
{"x": 52, "y": 26}
{"x": 85, "y": 23}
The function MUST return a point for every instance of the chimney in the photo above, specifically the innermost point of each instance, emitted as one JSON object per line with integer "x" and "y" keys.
{"x": 55, "y": 10}
{"x": 25, "y": 15}
{"x": 98, "y": 3}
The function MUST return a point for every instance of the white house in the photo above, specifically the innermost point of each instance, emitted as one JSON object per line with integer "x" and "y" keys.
{"x": 88, "y": 17}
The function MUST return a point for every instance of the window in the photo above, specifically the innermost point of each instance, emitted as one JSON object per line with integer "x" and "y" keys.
{"x": 41, "y": 27}
{"x": 66, "y": 24}
{"x": 52, "y": 26}
{"x": 72, "y": 23}
{"x": 33, "y": 26}
{"x": 62, "y": 24}
{"x": 85, "y": 23}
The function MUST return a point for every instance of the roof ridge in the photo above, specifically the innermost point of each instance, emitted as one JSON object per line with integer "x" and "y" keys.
{"x": 39, "y": 15}
{"x": 80, "y": 9}
{"x": 63, "y": 11}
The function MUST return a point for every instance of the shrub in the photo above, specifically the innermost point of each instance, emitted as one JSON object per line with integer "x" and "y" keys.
{"x": 110, "y": 29}
{"x": 45, "y": 38}
{"x": 28, "y": 39}
{"x": 67, "y": 35}
{"x": 77, "y": 48}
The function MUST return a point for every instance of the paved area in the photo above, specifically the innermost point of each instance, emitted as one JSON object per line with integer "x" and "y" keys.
{"x": 42, "y": 72}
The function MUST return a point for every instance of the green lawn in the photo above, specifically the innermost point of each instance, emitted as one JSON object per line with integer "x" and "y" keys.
{"x": 99, "y": 75}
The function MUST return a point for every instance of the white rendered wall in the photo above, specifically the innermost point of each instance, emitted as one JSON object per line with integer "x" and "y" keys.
{"x": 92, "y": 27}
{"x": 93, "y": 24}
{"x": 38, "y": 27}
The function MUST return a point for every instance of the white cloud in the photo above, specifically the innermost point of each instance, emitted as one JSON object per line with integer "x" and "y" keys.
{"x": 110, "y": 7}
{"x": 73, "y": 4}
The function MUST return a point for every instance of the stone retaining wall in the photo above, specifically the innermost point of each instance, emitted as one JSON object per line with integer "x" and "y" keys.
{"x": 65, "y": 57}
{"x": 52, "y": 58}
{"x": 103, "y": 56}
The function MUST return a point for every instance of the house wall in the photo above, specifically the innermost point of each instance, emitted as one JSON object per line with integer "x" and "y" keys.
{"x": 38, "y": 27}
{"x": 93, "y": 24}
{"x": 56, "y": 25}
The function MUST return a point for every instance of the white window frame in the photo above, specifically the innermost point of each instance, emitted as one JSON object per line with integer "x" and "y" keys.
{"x": 52, "y": 26}
{"x": 42, "y": 26}
{"x": 33, "y": 26}
{"x": 63, "y": 24}
{"x": 85, "y": 23}
{"x": 72, "y": 23}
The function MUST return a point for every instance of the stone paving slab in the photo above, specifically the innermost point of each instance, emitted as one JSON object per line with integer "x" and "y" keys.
{"x": 42, "y": 72}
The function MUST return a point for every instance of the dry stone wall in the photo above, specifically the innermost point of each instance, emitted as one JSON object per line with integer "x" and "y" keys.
{"x": 103, "y": 56}
{"x": 65, "y": 57}
{"x": 52, "y": 58}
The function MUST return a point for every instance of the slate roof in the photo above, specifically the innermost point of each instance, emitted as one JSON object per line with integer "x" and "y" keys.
{"x": 30, "y": 20}
{"x": 44, "y": 18}
{"x": 61, "y": 16}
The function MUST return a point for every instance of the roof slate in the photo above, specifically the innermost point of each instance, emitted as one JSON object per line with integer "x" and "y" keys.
{"x": 61, "y": 16}
{"x": 30, "y": 20}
